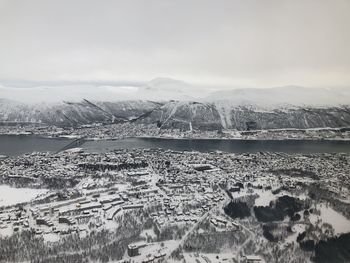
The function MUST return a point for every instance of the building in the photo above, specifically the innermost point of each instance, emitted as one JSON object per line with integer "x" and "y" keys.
{"x": 253, "y": 259}
{"x": 44, "y": 221}
{"x": 66, "y": 220}
{"x": 133, "y": 249}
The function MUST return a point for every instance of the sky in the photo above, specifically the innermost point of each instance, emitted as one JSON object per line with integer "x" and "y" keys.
{"x": 207, "y": 43}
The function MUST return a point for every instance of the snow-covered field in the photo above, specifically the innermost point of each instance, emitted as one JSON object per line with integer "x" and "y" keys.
{"x": 328, "y": 215}
{"x": 10, "y": 195}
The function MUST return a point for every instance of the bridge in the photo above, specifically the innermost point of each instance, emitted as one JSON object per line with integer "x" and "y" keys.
{"x": 76, "y": 143}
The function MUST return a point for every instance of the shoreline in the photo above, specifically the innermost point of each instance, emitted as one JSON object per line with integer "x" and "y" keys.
{"x": 239, "y": 139}
{"x": 72, "y": 138}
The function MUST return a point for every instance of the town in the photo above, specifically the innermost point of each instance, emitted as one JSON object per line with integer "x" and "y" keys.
{"x": 155, "y": 205}
{"x": 101, "y": 131}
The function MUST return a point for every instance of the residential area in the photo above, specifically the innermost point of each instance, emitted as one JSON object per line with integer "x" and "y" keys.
{"x": 154, "y": 205}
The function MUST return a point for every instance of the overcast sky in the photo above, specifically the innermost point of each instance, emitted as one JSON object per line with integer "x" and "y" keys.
{"x": 226, "y": 43}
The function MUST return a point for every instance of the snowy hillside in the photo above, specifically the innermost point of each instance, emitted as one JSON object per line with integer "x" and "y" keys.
{"x": 185, "y": 115}
{"x": 170, "y": 103}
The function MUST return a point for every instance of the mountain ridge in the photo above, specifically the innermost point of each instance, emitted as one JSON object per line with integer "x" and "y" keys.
{"x": 184, "y": 115}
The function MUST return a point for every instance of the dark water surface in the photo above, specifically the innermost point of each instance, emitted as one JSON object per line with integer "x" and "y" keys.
{"x": 16, "y": 145}
{"x": 234, "y": 146}
{"x": 13, "y": 145}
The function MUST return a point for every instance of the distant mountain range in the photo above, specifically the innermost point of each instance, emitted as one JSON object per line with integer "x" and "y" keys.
{"x": 284, "y": 96}
{"x": 175, "y": 114}
{"x": 165, "y": 89}
{"x": 170, "y": 103}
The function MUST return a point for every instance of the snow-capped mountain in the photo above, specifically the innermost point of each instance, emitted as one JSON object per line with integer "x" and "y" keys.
{"x": 170, "y": 103}
{"x": 176, "y": 114}
{"x": 72, "y": 113}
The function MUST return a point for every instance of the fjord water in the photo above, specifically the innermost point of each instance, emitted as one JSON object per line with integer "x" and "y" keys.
{"x": 13, "y": 145}
{"x": 234, "y": 146}
{"x": 16, "y": 145}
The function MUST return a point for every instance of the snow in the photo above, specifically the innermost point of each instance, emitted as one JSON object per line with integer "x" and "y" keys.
{"x": 264, "y": 199}
{"x": 208, "y": 257}
{"x": 328, "y": 215}
{"x": 224, "y": 110}
{"x": 11, "y": 196}
{"x": 51, "y": 237}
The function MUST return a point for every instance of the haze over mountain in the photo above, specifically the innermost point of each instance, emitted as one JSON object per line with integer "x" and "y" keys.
{"x": 287, "y": 95}
{"x": 164, "y": 89}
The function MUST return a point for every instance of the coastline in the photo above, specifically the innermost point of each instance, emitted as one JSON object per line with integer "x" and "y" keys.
{"x": 75, "y": 137}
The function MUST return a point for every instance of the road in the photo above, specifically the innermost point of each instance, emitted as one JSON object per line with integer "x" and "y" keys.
{"x": 200, "y": 220}
{"x": 245, "y": 242}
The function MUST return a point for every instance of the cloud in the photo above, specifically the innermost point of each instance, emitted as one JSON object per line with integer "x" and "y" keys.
{"x": 37, "y": 92}
{"x": 205, "y": 42}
